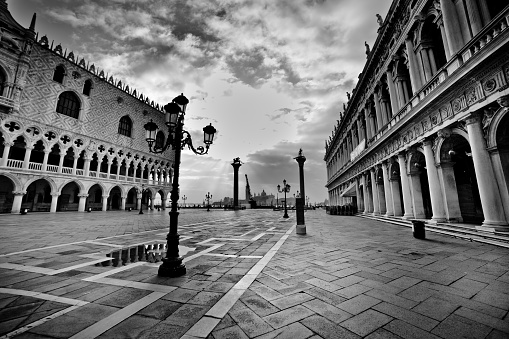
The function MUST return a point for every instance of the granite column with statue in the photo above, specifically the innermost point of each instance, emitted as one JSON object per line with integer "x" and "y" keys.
{"x": 236, "y": 165}
{"x": 301, "y": 225}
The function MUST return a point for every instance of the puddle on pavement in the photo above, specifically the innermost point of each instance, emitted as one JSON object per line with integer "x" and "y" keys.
{"x": 153, "y": 253}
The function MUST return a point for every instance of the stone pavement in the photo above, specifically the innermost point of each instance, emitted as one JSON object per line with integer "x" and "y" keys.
{"x": 249, "y": 275}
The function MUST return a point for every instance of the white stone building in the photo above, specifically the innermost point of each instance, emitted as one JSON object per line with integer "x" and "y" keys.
{"x": 71, "y": 137}
{"x": 425, "y": 132}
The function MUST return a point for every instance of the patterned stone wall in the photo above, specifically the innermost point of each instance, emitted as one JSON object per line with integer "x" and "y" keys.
{"x": 100, "y": 112}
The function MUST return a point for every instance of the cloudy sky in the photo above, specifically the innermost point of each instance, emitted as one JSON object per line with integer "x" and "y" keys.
{"x": 271, "y": 75}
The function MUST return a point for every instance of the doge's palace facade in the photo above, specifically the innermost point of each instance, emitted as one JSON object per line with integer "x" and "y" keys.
{"x": 71, "y": 137}
{"x": 425, "y": 132}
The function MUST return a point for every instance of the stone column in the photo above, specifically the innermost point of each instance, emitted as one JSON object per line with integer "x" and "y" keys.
{"x": 28, "y": 152}
{"x": 486, "y": 17}
{"x": 380, "y": 191}
{"x": 54, "y": 201}
{"x": 491, "y": 200}
{"x": 405, "y": 187}
{"x": 368, "y": 125}
{"x": 366, "y": 195}
{"x": 374, "y": 192}
{"x": 450, "y": 192}
{"x": 396, "y": 195}
{"x": 378, "y": 111}
{"x": 45, "y": 160}
{"x": 389, "y": 202}
{"x": 108, "y": 171}
{"x": 16, "y": 203}
{"x": 360, "y": 202}
{"x": 5, "y": 155}
{"x": 474, "y": 16}
{"x": 119, "y": 164}
{"x": 392, "y": 93}
{"x": 372, "y": 124}
{"x": 138, "y": 202}
{"x": 122, "y": 203}
{"x": 426, "y": 65}
{"x": 444, "y": 39}
{"x": 75, "y": 164}
{"x": 83, "y": 200}
{"x": 452, "y": 27}
{"x": 415, "y": 76}
{"x": 236, "y": 165}
{"x": 61, "y": 160}
{"x": 417, "y": 202}
{"x": 437, "y": 200}
{"x": 86, "y": 167}
{"x": 105, "y": 202}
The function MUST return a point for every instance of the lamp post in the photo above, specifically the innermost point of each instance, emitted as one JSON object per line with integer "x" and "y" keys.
{"x": 184, "y": 198}
{"x": 177, "y": 139}
{"x": 208, "y": 196}
{"x": 143, "y": 189}
{"x": 285, "y": 189}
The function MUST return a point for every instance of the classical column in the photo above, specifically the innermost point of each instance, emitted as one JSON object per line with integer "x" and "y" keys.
{"x": 365, "y": 192}
{"x": 449, "y": 191}
{"x": 491, "y": 200}
{"x": 392, "y": 93}
{"x": 61, "y": 160}
{"x": 372, "y": 116}
{"x": 405, "y": 187}
{"x": 374, "y": 192}
{"x": 86, "y": 167}
{"x": 389, "y": 203}
{"x": 417, "y": 201}
{"x": 105, "y": 202}
{"x": 395, "y": 194}
{"x": 378, "y": 111}
{"x": 426, "y": 65}
{"x": 444, "y": 40}
{"x": 368, "y": 125}
{"x": 82, "y": 202}
{"x": 236, "y": 165}
{"x": 452, "y": 27}
{"x": 75, "y": 164}
{"x": 108, "y": 171}
{"x": 28, "y": 151}
{"x": 380, "y": 191}
{"x": 122, "y": 203}
{"x": 360, "y": 202}
{"x": 5, "y": 155}
{"x": 119, "y": 164}
{"x": 45, "y": 160}
{"x": 16, "y": 202}
{"x": 54, "y": 201}
{"x": 474, "y": 16}
{"x": 486, "y": 17}
{"x": 437, "y": 200}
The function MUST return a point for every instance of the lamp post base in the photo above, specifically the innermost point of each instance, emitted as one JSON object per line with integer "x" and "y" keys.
{"x": 172, "y": 268}
{"x": 286, "y": 215}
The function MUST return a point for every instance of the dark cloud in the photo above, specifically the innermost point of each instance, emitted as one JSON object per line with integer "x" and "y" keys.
{"x": 248, "y": 66}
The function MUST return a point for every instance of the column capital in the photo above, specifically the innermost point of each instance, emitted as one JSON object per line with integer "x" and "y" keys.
{"x": 84, "y": 195}
{"x": 474, "y": 117}
{"x": 30, "y": 147}
{"x": 105, "y": 196}
{"x": 19, "y": 192}
{"x": 56, "y": 194}
{"x": 8, "y": 143}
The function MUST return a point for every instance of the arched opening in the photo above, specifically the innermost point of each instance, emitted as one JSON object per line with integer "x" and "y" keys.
{"x": 146, "y": 199}
{"x": 18, "y": 150}
{"x": 87, "y": 87}
{"x": 68, "y": 104}
{"x": 38, "y": 196}
{"x": 2, "y": 147}
{"x": 68, "y": 199}
{"x": 80, "y": 165}
{"x": 37, "y": 155}
{"x": 396, "y": 189}
{"x": 114, "y": 169}
{"x": 432, "y": 37}
{"x": 59, "y": 74}
{"x": 54, "y": 159}
{"x": 94, "y": 200}
{"x": 125, "y": 126}
{"x": 6, "y": 196}
{"x": 123, "y": 168}
{"x": 138, "y": 171}
{"x": 94, "y": 164}
{"x": 114, "y": 200}
{"x": 420, "y": 164}
{"x": 68, "y": 161}
{"x": 158, "y": 200}
{"x": 132, "y": 199}
{"x": 466, "y": 182}
{"x": 502, "y": 139}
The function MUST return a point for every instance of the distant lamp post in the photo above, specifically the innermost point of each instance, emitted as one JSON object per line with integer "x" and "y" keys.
{"x": 142, "y": 190}
{"x": 177, "y": 139}
{"x": 285, "y": 189}
{"x": 208, "y": 196}
{"x": 184, "y": 198}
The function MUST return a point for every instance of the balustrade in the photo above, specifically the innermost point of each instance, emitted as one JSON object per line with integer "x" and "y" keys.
{"x": 15, "y": 163}
{"x": 67, "y": 170}
{"x": 52, "y": 168}
{"x": 35, "y": 166}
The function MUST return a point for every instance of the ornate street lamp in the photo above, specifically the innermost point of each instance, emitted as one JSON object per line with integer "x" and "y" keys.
{"x": 285, "y": 189}
{"x": 184, "y": 198}
{"x": 177, "y": 139}
{"x": 208, "y": 196}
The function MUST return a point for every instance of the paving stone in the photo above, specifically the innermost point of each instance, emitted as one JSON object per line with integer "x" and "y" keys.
{"x": 249, "y": 321}
{"x": 287, "y": 316}
{"x": 187, "y": 315}
{"x": 408, "y": 331}
{"x": 391, "y": 298}
{"x": 326, "y": 328}
{"x": 500, "y": 300}
{"x": 352, "y": 291}
{"x": 234, "y": 332}
{"x": 472, "y": 304}
{"x": 219, "y": 287}
{"x": 328, "y": 311}
{"x": 349, "y": 280}
{"x": 436, "y": 308}
{"x": 181, "y": 295}
{"x": 227, "y": 321}
{"x": 92, "y": 312}
{"x": 292, "y": 331}
{"x": 160, "y": 309}
{"x": 404, "y": 282}
{"x": 163, "y": 330}
{"x": 382, "y": 334}
{"x": 497, "y": 324}
{"x": 358, "y": 304}
{"x": 417, "y": 293}
{"x": 366, "y": 322}
{"x": 291, "y": 300}
{"x": 406, "y": 315}
{"x": 205, "y": 298}
{"x": 64, "y": 326}
{"x": 122, "y": 297}
{"x": 265, "y": 292}
{"x": 130, "y": 328}
{"x": 331, "y": 287}
{"x": 459, "y": 327}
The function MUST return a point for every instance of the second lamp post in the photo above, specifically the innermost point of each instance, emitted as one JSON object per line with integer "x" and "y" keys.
{"x": 177, "y": 139}
{"x": 285, "y": 189}
{"x": 208, "y": 196}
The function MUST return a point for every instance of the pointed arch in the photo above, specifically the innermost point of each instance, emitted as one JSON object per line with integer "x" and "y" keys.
{"x": 125, "y": 126}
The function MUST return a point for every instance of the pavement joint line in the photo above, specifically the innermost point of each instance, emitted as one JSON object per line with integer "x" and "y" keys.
{"x": 33, "y": 269}
{"x": 221, "y": 255}
{"x": 114, "y": 271}
{"x": 102, "y": 244}
{"x": 39, "y": 322}
{"x": 210, "y": 249}
{"x": 84, "y": 241}
{"x": 105, "y": 324}
{"x": 136, "y": 284}
{"x": 45, "y": 296}
{"x": 243, "y": 235}
{"x": 204, "y": 327}
{"x": 257, "y": 237}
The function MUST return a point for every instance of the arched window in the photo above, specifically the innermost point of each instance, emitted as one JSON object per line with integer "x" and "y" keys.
{"x": 68, "y": 104}
{"x": 160, "y": 139}
{"x": 87, "y": 87}
{"x": 125, "y": 126}
{"x": 59, "y": 74}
